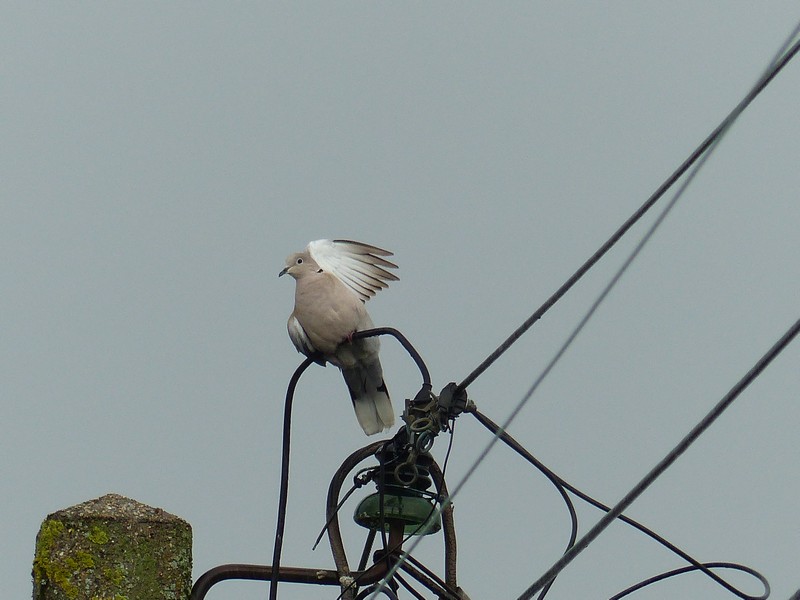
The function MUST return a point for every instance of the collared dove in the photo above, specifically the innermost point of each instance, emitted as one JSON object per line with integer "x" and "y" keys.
{"x": 334, "y": 278}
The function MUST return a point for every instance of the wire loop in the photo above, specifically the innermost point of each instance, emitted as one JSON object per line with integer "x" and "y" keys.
{"x": 407, "y": 473}
{"x": 425, "y": 441}
{"x": 421, "y": 424}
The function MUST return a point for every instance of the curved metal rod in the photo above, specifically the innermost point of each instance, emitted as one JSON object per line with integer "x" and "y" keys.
{"x": 448, "y": 529}
{"x": 339, "y": 557}
{"x": 331, "y": 511}
{"x": 285, "y": 574}
{"x": 335, "y": 536}
{"x": 260, "y": 573}
{"x": 284, "y": 490}
{"x": 423, "y": 369}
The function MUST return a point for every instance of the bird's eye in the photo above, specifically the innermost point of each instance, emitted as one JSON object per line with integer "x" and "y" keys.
{"x": 299, "y": 261}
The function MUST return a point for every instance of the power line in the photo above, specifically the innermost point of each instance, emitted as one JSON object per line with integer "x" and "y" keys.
{"x": 705, "y": 567}
{"x": 662, "y": 189}
{"x": 585, "y": 319}
{"x": 561, "y": 484}
{"x": 662, "y": 466}
{"x": 784, "y": 54}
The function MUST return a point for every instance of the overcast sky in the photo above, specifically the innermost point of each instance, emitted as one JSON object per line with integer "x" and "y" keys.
{"x": 160, "y": 160}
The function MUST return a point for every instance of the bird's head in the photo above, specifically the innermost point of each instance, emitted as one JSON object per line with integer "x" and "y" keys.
{"x": 299, "y": 264}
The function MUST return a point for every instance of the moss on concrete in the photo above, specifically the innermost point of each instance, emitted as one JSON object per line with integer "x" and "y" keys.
{"x": 97, "y": 535}
{"x": 112, "y": 548}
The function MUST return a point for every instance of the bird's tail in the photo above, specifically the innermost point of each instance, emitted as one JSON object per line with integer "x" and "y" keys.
{"x": 369, "y": 395}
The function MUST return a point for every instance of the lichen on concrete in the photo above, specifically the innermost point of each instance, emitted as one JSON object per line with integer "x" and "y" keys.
{"x": 112, "y": 548}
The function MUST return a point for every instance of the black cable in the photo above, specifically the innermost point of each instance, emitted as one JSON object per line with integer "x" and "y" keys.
{"x": 786, "y": 52}
{"x": 284, "y": 490}
{"x": 425, "y": 571}
{"x": 700, "y": 567}
{"x": 388, "y": 592}
{"x": 662, "y": 189}
{"x": 557, "y": 482}
{"x": 365, "y": 553}
{"x": 410, "y": 589}
{"x": 695, "y": 564}
{"x": 662, "y": 466}
{"x": 333, "y": 516}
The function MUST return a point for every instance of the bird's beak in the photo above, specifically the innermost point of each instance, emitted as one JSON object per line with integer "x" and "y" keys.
{"x": 284, "y": 271}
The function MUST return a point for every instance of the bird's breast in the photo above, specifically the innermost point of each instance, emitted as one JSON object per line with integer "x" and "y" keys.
{"x": 327, "y": 318}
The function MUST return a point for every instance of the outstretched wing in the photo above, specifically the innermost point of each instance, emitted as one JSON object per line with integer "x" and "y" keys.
{"x": 359, "y": 266}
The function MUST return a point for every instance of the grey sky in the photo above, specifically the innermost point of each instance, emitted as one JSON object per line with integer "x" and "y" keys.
{"x": 159, "y": 161}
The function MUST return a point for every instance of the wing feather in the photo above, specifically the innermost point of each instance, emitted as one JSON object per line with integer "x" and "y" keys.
{"x": 362, "y": 248}
{"x": 359, "y": 266}
{"x": 377, "y": 260}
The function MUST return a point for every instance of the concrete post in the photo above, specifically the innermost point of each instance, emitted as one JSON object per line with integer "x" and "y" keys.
{"x": 113, "y": 548}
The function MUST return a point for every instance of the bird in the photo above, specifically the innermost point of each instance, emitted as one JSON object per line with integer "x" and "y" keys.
{"x": 333, "y": 281}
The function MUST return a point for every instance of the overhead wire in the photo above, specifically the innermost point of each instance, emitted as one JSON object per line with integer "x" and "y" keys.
{"x": 560, "y": 485}
{"x": 512, "y": 443}
{"x": 632, "y": 220}
{"x": 344, "y": 499}
{"x": 698, "y": 159}
{"x": 785, "y": 53}
{"x": 699, "y": 567}
{"x": 662, "y": 466}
